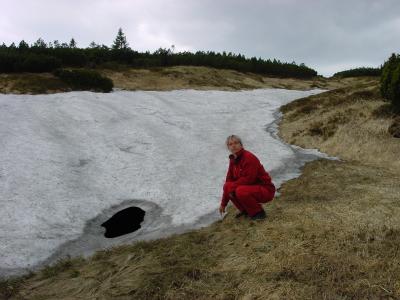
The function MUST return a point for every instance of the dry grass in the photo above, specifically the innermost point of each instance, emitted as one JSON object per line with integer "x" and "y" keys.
{"x": 334, "y": 233}
{"x": 31, "y": 83}
{"x": 170, "y": 78}
{"x": 350, "y": 122}
{"x": 204, "y": 78}
{"x": 339, "y": 244}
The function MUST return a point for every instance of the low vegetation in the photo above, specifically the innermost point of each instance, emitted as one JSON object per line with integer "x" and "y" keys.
{"x": 31, "y": 83}
{"x": 345, "y": 122}
{"x": 85, "y": 80}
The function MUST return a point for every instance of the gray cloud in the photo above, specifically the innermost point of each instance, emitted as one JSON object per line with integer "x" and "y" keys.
{"x": 326, "y": 35}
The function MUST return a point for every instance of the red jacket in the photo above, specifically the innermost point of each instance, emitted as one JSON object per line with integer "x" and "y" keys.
{"x": 245, "y": 169}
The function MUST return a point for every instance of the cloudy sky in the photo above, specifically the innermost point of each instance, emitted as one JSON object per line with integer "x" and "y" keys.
{"x": 326, "y": 35}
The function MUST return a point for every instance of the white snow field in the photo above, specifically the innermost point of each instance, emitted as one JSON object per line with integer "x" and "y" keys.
{"x": 68, "y": 158}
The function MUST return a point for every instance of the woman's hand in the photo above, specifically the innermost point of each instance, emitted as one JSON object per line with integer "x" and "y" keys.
{"x": 221, "y": 210}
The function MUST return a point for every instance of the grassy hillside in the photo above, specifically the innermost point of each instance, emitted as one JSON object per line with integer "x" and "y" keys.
{"x": 203, "y": 78}
{"x": 170, "y": 78}
{"x": 334, "y": 233}
{"x": 31, "y": 83}
{"x": 351, "y": 122}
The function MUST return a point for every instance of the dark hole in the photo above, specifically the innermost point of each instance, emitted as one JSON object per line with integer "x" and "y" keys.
{"x": 123, "y": 222}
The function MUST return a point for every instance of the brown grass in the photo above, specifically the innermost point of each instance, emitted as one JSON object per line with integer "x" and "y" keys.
{"x": 31, "y": 83}
{"x": 163, "y": 79}
{"x": 334, "y": 233}
{"x": 339, "y": 244}
{"x": 350, "y": 122}
{"x": 204, "y": 78}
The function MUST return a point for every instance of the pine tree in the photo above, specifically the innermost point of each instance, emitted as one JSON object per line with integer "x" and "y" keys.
{"x": 72, "y": 43}
{"x": 386, "y": 76}
{"x": 120, "y": 42}
{"x": 40, "y": 43}
{"x": 23, "y": 45}
{"x": 93, "y": 45}
{"x": 394, "y": 89}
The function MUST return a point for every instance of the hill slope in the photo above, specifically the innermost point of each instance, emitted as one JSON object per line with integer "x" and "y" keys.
{"x": 162, "y": 79}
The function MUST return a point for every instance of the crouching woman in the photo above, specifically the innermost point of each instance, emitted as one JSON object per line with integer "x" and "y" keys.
{"x": 247, "y": 183}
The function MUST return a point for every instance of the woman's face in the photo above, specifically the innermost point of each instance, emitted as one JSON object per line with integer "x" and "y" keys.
{"x": 234, "y": 146}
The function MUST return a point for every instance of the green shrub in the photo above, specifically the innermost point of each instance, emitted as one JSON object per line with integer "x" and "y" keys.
{"x": 390, "y": 81}
{"x": 38, "y": 63}
{"x": 7, "y": 62}
{"x": 394, "y": 89}
{"x": 71, "y": 57}
{"x": 85, "y": 80}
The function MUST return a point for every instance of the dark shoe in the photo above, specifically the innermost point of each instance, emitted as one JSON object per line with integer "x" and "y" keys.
{"x": 259, "y": 216}
{"x": 242, "y": 213}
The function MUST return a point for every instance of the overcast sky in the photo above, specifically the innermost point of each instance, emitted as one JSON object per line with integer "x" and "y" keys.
{"x": 328, "y": 36}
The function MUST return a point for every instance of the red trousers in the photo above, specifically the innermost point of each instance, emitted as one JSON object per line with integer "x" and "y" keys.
{"x": 248, "y": 197}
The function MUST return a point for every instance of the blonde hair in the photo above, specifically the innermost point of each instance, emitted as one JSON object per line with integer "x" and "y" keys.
{"x": 233, "y": 137}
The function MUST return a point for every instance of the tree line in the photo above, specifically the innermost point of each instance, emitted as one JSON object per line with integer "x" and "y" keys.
{"x": 46, "y": 57}
{"x": 363, "y": 71}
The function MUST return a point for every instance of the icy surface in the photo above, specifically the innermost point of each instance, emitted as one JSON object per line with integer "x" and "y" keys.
{"x": 67, "y": 157}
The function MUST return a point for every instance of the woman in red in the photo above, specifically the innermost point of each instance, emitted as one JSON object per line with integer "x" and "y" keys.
{"x": 247, "y": 183}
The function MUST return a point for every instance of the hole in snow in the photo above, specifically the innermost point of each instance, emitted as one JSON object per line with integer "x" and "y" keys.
{"x": 123, "y": 222}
